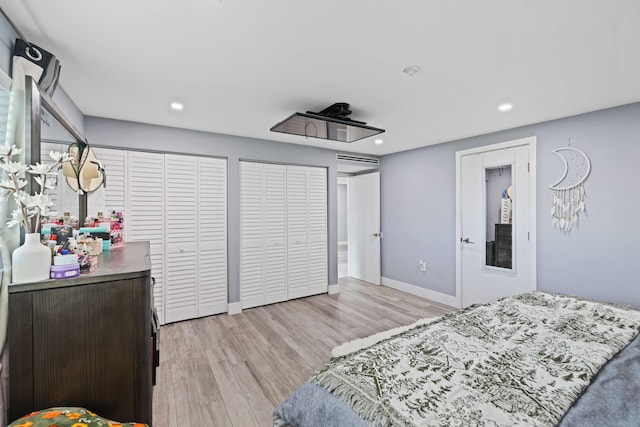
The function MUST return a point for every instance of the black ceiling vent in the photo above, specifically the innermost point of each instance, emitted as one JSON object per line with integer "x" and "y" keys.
{"x": 331, "y": 123}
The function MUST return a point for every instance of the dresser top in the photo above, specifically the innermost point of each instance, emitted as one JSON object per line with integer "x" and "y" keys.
{"x": 128, "y": 262}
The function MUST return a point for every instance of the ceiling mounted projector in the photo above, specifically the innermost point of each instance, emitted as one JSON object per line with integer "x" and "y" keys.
{"x": 331, "y": 123}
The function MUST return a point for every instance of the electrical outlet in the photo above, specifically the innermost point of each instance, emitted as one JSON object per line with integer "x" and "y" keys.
{"x": 423, "y": 265}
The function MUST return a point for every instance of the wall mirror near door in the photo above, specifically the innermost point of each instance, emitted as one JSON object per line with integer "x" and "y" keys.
{"x": 499, "y": 213}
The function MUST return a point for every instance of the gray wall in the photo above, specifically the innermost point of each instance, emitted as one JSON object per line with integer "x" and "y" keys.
{"x": 597, "y": 260}
{"x": 343, "y": 219}
{"x": 129, "y": 135}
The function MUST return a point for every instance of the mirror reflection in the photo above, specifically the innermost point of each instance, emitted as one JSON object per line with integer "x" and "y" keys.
{"x": 499, "y": 206}
{"x": 56, "y": 138}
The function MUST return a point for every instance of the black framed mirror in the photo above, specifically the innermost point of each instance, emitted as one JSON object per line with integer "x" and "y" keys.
{"x": 38, "y": 107}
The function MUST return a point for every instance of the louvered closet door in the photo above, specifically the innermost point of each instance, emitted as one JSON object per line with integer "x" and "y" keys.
{"x": 181, "y": 230}
{"x": 317, "y": 226}
{"x": 145, "y": 213}
{"x": 275, "y": 233}
{"x": 297, "y": 232}
{"x": 212, "y": 236}
{"x": 112, "y": 196}
{"x": 251, "y": 234}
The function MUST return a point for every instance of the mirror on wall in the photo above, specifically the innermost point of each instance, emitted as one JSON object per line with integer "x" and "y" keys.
{"x": 499, "y": 216}
{"x": 51, "y": 130}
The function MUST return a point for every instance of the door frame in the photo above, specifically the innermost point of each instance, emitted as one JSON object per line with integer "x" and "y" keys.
{"x": 531, "y": 143}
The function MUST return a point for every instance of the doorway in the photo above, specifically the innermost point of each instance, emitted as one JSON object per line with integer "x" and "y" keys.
{"x": 359, "y": 226}
{"x": 495, "y": 221}
{"x": 364, "y": 227}
{"x": 343, "y": 227}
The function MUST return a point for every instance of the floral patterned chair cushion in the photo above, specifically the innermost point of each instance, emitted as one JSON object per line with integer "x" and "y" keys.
{"x": 68, "y": 417}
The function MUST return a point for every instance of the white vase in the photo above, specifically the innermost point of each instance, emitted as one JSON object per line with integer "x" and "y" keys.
{"x": 31, "y": 262}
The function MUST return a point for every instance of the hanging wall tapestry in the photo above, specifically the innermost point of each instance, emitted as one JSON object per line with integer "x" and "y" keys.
{"x": 568, "y": 192}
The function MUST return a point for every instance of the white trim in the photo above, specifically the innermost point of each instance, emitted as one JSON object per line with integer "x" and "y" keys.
{"x": 436, "y": 296}
{"x": 531, "y": 143}
{"x": 343, "y": 180}
{"x": 344, "y": 242}
{"x": 334, "y": 289}
{"x": 234, "y": 308}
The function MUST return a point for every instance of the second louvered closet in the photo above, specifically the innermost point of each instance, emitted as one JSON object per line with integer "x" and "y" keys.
{"x": 283, "y": 232}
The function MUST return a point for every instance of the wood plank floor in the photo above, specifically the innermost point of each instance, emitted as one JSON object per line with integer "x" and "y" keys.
{"x": 234, "y": 370}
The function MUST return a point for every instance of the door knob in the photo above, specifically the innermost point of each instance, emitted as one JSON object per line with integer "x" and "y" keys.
{"x": 377, "y": 234}
{"x": 466, "y": 240}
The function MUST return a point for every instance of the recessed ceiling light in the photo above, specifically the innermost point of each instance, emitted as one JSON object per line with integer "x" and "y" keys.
{"x": 411, "y": 70}
{"x": 378, "y": 141}
{"x": 505, "y": 107}
{"x": 177, "y": 106}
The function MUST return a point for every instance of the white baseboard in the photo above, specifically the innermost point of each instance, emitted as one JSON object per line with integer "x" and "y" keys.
{"x": 334, "y": 289}
{"x": 436, "y": 296}
{"x": 234, "y": 308}
{"x": 344, "y": 243}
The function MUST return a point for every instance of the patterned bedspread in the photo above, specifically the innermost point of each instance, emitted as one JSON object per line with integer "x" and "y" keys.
{"x": 521, "y": 361}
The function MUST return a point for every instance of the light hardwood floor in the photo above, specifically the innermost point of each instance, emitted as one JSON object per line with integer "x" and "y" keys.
{"x": 234, "y": 370}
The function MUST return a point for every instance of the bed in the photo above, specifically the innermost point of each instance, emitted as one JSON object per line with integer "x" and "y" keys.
{"x": 536, "y": 359}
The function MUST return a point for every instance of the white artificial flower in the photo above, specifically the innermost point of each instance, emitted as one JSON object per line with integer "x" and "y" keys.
{"x": 9, "y": 184}
{"x": 51, "y": 183}
{"x": 16, "y": 218}
{"x": 8, "y": 151}
{"x": 14, "y": 167}
{"x": 59, "y": 157}
{"x": 42, "y": 169}
{"x": 23, "y": 198}
{"x": 29, "y": 206}
{"x": 41, "y": 201}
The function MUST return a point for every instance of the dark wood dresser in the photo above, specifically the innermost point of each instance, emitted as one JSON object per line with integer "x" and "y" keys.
{"x": 85, "y": 341}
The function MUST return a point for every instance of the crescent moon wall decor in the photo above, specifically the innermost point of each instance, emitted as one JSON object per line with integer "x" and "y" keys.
{"x": 568, "y": 191}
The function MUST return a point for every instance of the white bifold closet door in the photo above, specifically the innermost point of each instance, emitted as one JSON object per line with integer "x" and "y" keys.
{"x": 307, "y": 231}
{"x": 263, "y": 256}
{"x": 144, "y": 220}
{"x": 181, "y": 207}
{"x": 318, "y": 252}
{"x": 283, "y": 232}
{"x": 297, "y": 232}
{"x": 212, "y": 236}
{"x": 195, "y": 237}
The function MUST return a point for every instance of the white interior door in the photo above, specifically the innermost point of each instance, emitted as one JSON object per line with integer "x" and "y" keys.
{"x": 364, "y": 227}
{"x": 496, "y": 222}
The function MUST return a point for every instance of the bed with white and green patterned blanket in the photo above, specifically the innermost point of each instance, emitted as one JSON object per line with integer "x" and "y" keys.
{"x": 522, "y": 361}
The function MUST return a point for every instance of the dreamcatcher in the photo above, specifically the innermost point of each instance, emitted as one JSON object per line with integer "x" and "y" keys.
{"x": 568, "y": 192}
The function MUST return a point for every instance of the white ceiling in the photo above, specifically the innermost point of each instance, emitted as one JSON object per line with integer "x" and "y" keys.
{"x": 240, "y": 66}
